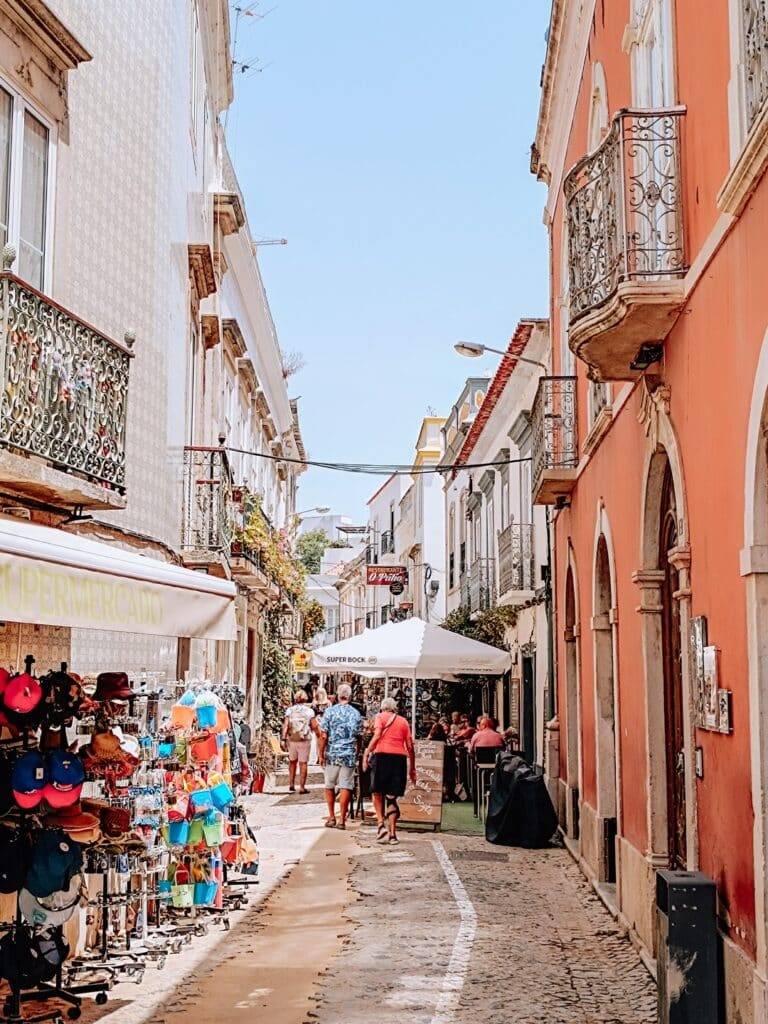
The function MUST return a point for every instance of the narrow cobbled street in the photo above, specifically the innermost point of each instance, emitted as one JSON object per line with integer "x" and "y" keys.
{"x": 444, "y": 928}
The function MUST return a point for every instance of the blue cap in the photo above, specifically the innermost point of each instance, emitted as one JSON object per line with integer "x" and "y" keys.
{"x": 65, "y": 769}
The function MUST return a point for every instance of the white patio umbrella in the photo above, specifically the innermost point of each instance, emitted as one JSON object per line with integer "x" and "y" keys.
{"x": 412, "y": 649}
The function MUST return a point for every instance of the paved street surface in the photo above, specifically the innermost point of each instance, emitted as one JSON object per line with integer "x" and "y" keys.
{"x": 442, "y": 929}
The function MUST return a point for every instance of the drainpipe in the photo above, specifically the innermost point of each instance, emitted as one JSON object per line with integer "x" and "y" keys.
{"x": 549, "y": 605}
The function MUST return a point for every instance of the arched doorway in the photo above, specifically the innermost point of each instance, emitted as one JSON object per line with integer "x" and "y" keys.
{"x": 664, "y": 581}
{"x": 605, "y": 708}
{"x": 674, "y": 718}
{"x": 573, "y": 746}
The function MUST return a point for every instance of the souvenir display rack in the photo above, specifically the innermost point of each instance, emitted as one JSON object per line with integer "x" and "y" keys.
{"x": 130, "y": 792}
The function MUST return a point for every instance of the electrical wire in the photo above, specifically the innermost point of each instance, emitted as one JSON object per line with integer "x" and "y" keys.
{"x": 378, "y": 469}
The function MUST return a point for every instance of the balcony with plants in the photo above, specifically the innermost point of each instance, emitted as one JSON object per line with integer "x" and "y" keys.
{"x": 626, "y": 243}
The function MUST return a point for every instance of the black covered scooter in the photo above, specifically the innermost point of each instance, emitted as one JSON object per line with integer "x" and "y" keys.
{"x": 520, "y": 811}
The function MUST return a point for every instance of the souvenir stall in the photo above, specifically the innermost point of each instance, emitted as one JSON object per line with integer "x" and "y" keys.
{"x": 120, "y": 831}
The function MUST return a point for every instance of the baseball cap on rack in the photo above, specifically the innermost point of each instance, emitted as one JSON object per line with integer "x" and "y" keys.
{"x": 53, "y": 910}
{"x": 112, "y": 686}
{"x": 23, "y": 699}
{"x": 15, "y": 849}
{"x": 65, "y": 779}
{"x": 29, "y": 777}
{"x": 28, "y": 958}
{"x": 56, "y": 859}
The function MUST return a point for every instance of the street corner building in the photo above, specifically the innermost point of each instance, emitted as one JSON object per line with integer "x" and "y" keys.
{"x": 649, "y": 449}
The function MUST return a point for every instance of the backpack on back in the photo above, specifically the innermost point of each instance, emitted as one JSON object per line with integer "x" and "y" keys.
{"x": 298, "y": 724}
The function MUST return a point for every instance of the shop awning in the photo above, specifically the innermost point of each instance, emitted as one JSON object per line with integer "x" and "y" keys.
{"x": 56, "y": 578}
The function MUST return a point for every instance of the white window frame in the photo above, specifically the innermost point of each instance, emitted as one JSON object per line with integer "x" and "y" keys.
{"x": 21, "y": 104}
{"x": 647, "y": 16}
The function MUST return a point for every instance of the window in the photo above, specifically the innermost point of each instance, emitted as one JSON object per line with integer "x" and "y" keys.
{"x": 489, "y": 528}
{"x": 25, "y": 185}
{"x": 526, "y": 493}
{"x": 451, "y": 546}
{"x": 504, "y": 502}
{"x": 652, "y": 55}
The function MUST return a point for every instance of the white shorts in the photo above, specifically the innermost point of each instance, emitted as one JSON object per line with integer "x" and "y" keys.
{"x": 339, "y": 776}
{"x": 298, "y": 750}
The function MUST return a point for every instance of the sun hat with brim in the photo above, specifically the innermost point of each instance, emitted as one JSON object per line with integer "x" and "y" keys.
{"x": 79, "y": 825}
{"x": 29, "y": 778}
{"x": 56, "y": 859}
{"x": 128, "y": 743}
{"x": 54, "y": 910}
{"x": 65, "y": 779}
{"x": 112, "y": 686}
{"x": 15, "y": 850}
{"x": 23, "y": 700}
{"x": 65, "y": 699}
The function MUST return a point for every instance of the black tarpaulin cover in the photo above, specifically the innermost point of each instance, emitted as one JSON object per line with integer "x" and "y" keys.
{"x": 520, "y": 811}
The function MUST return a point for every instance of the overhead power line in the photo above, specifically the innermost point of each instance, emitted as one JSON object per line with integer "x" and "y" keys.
{"x": 378, "y": 469}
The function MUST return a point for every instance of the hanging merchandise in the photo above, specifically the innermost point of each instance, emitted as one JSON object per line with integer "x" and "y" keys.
{"x": 121, "y": 820}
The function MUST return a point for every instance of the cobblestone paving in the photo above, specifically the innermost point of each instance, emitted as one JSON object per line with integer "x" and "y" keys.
{"x": 545, "y": 949}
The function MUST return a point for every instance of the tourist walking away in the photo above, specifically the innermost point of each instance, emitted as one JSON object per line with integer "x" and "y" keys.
{"x": 339, "y": 737}
{"x": 298, "y": 725}
{"x": 390, "y": 754}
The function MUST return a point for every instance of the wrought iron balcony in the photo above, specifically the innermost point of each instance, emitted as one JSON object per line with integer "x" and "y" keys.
{"x": 554, "y": 430}
{"x": 478, "y": 586}
{"x": 626, "y": 241}
{"x": 63, "y": 401}
{"x": 371, "y": 554}
{"x": 516, "y": 559}
{"x": 388, "y": 542}
{"x": 208, "y": 522}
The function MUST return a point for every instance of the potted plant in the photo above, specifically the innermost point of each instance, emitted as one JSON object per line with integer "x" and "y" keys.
{"x": 262, "y": 758}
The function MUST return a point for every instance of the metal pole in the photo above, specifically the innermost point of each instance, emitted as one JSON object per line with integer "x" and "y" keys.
{"x": 549, "y": 605}
{"x": 413, "y": 706}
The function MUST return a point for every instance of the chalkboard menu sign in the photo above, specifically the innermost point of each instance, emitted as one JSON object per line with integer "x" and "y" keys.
{"x": 423, "y": 802}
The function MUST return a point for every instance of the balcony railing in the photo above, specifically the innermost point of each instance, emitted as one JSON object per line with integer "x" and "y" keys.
{"x": 64, "y": 388}
{"x": 482, "y": 586}
{"x": 554, "y": 430}
{"x": 388, "y": 542}
{"x": 624, "y": 208}
{"x": 516, "y": 558}
{"x": 754, "y": 24}
{"x": 208, "y": 523}
{"x": 372, "y": 554}
{"x": 478, "y": 586}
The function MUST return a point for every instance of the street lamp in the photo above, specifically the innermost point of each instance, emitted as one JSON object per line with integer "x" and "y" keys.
{"x": 472, "y": 350}
{"x": 321, "y": 509}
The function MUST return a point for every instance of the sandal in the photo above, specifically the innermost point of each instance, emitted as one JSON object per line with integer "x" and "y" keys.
{"x": 393, "y": 841}
{"x": 382, "y": 833}
{"x": 342, "y": 825}
{"x": 330, "y": 823}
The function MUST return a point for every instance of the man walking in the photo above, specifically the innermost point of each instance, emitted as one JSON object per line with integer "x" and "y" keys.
{"x": 339, "y": 735}
{"x": 298, "y": 725}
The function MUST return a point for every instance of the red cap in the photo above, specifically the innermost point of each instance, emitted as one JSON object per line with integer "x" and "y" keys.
{"x": 22, "y": 694}
{"x": 56, "y": 797}
{"x": 5, "y": 676}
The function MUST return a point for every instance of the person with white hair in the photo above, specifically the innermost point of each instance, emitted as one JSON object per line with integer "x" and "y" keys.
{"x": 339, "y": 737}
{"x": 392, "y": 757}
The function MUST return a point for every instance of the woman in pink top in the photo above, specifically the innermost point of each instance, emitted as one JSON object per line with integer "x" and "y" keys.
{"x": 392, "y": 744}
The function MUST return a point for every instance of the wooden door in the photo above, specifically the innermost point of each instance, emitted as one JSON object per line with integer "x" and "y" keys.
{"x": 528, "y": 696}
{"x": 673, "y": 681}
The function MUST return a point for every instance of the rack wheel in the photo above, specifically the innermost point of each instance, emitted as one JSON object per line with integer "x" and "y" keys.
{"x": 160, "y": 963}
{"x": 74, "y": 1012}
{"x": 225, "y": 922}
{"x": 101, "y": 998}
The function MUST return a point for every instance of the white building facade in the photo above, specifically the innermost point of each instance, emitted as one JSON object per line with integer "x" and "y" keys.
{"x": 496, "y": 539}
{"x": 124, "y": 213}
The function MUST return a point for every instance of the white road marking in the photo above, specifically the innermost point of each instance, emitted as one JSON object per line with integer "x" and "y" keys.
{"x": 455, "y": 976}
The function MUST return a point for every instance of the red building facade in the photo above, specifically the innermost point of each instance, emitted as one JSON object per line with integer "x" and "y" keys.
{"x": 650, "y": 448}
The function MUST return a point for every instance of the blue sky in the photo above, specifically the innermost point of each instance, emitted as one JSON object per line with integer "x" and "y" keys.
{"x": 389, "y": 143}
